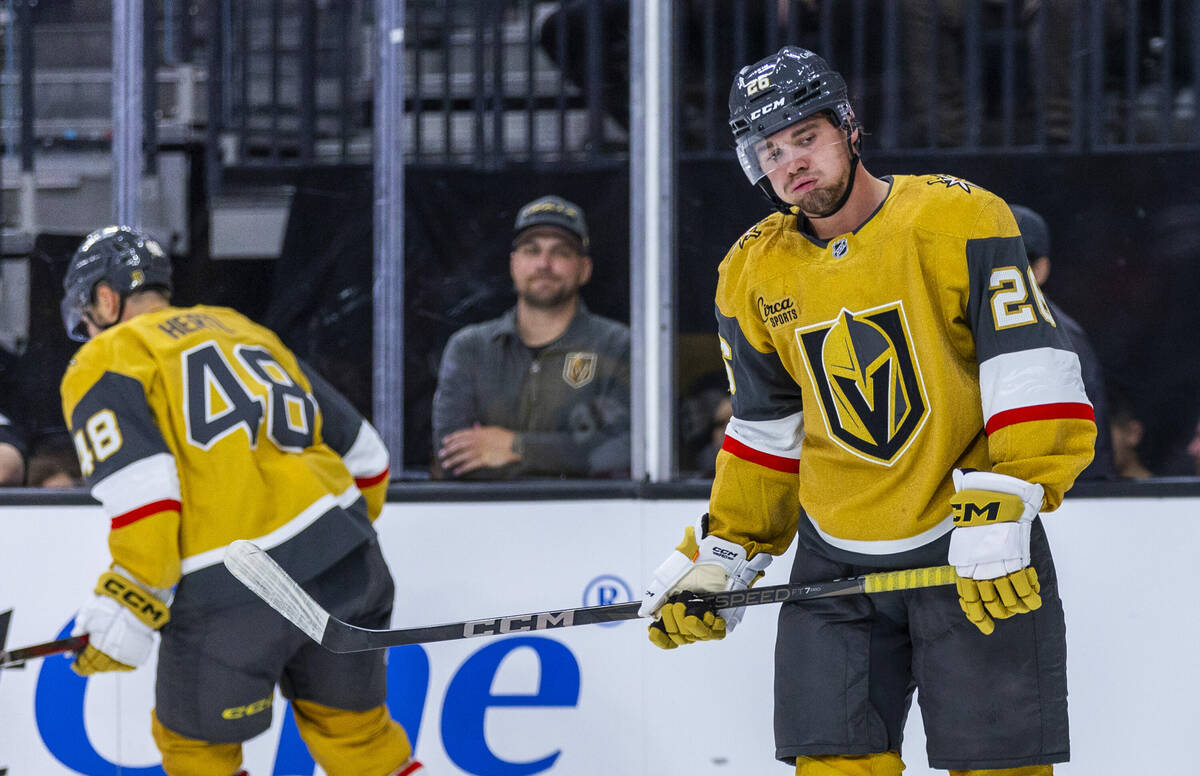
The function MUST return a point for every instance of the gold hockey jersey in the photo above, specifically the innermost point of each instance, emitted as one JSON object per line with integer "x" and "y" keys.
{"x": 865, "y": 368}
{"x": 196, "y": 426}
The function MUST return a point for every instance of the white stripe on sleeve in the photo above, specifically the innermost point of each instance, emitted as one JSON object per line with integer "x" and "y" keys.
{"x": 1029, "y": 378}
{"x": 368, "y": 456}
{"x": 142, "y": 482}
{"x": 781, "y": 437}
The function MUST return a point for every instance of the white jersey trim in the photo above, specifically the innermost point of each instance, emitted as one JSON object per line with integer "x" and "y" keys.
{"x": 1029, "y": 378}
{"x": 368, "y": 456}
{"x": 782, "y": 437}
{"x": 142, "y": 482}
{"x": 281, "y": 534}
{"x": 886, "y": 546}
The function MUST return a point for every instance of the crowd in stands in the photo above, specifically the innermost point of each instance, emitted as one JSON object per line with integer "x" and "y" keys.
{"x": 46, "y": 462}
{"x": 544, "y": 390}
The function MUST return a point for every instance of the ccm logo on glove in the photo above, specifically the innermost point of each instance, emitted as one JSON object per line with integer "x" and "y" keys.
{"x": 973, "y": 507}
{"x": 149, "y": 610}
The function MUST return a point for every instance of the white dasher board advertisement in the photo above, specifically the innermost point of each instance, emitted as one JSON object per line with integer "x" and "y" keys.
{"x": 599, "y": 699}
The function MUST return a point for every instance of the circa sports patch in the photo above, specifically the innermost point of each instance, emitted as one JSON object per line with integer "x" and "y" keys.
{"x": 579, "y": 368}
{"x": 862, "y": 364}
{"x": 778, "y": 311}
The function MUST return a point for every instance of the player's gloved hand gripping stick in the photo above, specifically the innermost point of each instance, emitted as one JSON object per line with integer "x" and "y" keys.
{"x": 707, "y": 564}
{"x": 989, "y": 547}
{"x": 120, "y": 620}
{"x": 254, "y": 568}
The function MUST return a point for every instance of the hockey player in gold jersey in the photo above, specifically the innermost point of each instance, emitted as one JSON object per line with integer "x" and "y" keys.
{"x": 195, "y": 427}
{"x": 902, "y": 396}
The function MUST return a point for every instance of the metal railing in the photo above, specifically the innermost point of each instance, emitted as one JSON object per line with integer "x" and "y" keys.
{"x": 47, "y": 65}
{"x": 481, "y": 86}
{"x": 1073, "y": 75}
{"x": 535, "y": 82}
{"x": 523, "y": 82}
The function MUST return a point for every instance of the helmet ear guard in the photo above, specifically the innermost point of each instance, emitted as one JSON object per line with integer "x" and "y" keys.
{"x": 126, "y": 259}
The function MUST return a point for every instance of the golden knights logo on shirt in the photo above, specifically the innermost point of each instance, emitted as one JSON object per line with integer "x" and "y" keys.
{"x": 866, "y": 375}
{"x": 579, "y": 368}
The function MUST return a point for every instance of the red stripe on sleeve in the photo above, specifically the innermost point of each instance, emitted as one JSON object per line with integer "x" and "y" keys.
{"x": 153, "y": 508}
{"x": 1059, "y": 411}
{"x": 747, "y": 453}
{"x": 366, "y": 482}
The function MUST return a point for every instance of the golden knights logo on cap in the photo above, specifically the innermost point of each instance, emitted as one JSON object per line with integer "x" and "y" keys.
{"x": 579, "y": 369}
{"x": 547, "y": 205}
{"x": 554, "y": 211}
{"x": 863, "y": 367}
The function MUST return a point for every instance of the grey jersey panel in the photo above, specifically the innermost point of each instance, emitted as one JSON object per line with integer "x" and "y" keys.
{"x": 123, "y": 397}
{"x": 764, "y": 388}
{"x": 993, "y": 335}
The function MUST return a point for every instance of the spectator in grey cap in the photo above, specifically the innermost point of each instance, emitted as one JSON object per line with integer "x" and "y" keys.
{"x": 543, "y": 390}
{"x": 1036, "y": 236}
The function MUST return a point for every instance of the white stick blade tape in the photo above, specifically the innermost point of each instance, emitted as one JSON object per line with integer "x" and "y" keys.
{"x": 259, "y": 572}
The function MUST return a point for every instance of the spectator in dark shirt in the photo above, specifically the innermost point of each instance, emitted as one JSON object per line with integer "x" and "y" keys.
{"x": 12, "y": 454}
{"x": 1127, "y": 433}
{"x": 1193, "y": 450}
{"x": 544, "y": 389}
{"x": 1036, "y": 236}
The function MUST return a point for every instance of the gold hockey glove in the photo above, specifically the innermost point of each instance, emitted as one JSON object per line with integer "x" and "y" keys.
{"x": 120, "y": 620}
{"x": 705, "y": 565}
{"x": 989, "y": 548}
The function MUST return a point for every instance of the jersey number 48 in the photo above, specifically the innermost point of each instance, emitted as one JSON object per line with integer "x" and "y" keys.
{"x": 218, "y": 402}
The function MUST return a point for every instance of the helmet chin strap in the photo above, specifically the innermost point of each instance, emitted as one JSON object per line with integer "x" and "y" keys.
{"x": 105, "y": 326}
{"x": 845, "y": 194}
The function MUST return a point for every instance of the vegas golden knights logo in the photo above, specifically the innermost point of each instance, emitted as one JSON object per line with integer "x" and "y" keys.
{"x": 579, "y": 369}
{"x": 866, "y": 374}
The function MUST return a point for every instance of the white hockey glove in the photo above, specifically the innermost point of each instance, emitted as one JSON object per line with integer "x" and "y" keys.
{"x": 708, "y": 565}
{"x": 989, "y": 547}
{"x": 120, "y": 620}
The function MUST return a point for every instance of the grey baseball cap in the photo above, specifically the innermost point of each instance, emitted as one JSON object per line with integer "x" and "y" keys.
{"x": 552, "y": 211}
{"x": 1034, "y": 232}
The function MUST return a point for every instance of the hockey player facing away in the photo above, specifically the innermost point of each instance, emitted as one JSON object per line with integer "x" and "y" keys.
{"x": 194, "y": 427}
{"x": 942, "y": 411}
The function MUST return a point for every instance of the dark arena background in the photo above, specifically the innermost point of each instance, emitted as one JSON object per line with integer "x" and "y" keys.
{"x": 348, "y": 173}
{"x": 1125, "y": 236}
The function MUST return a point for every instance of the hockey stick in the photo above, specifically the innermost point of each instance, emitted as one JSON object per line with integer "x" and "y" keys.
{"x": 255, "y": 569}
{"x": 15, "y": 658}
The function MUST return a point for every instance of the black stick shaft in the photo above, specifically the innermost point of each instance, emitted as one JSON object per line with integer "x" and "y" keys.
{"x": 13, "y": 657}
{"x": 341, "y": 637}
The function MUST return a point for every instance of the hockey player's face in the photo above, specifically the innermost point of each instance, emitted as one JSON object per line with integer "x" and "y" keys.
{"x": 548, "y": 269}
{"x": 809, "y": 165}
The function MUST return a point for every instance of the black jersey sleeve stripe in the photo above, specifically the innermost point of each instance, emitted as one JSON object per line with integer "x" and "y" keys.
{"x": 116, "y": 425}
{"x": 762, "y": 388}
